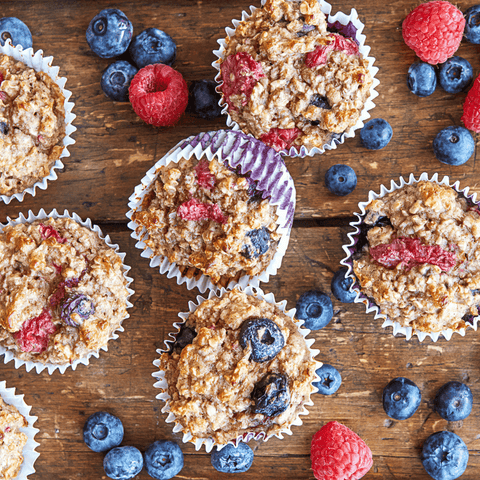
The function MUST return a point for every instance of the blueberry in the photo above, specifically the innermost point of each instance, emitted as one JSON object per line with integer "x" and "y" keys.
{"x": 454, "y": 401}
{"x": 116, "y": 80}
{"x": 341, "y": 286}
{"x": 152, "y": 46}
{"x": 163, "y": 459}
{"x": 265, "y": 337}
{"x": 453, "y": 145}
{"x": 14, "y": 29}
{"x": 455, "y": 75}
{"x": 102, "y": 431}
{"x": 341, "y": 179}
{"x": 401, "y": 398}
{"x": 330, "y": 379}
{"x": 203, "y": 99}
{"x": 320, "y": 102}
{"x": 271, "y": 395}
{"x": 257, "y": 242}
{"x": 376, "y": 134}
{"x": 123, "y": 463}
{"x": 421, "y": 79}
{"x": 109, "y": 33}
{"x": 184, "y": 337}
{"x": 315, "y": 307}
{"x": 232, "y": 459}
{"x": 472, "y": 24}
{"x": 4, "y": 129}
{"x": 444, "y": 456}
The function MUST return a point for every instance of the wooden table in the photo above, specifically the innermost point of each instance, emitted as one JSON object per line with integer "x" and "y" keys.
{"x": 114, "y": 149}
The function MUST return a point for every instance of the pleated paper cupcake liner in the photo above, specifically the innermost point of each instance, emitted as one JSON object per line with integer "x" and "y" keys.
{"x": 364, "y": 49}
{"x": 350, "y": 249}
{"x": 264, "y": 166}
{"x": 51, "y": 367}
{"x": 161, "y": 382}
{"x": 38, "y": 62}
{"x": 29, "y": 453}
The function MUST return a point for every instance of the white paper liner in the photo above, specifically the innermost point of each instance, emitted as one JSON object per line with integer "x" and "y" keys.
{"x": 344, "y": 19}
{"x": 51, "y": 367}
{"x": 29, "y": 453}
{"x": 264, "y": 165}
{"x": 162, "y": 382}
{"x": 350, "y": 249}
{"x": 38, "y": 62}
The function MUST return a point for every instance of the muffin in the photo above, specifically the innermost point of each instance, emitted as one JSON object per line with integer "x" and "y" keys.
{"x": 291, "y": 79}
{"x": 63, "y": 291}
{"x": 238, "y": 368}
{"x": 219, "y": 207}
{"x": 416, "y": 256}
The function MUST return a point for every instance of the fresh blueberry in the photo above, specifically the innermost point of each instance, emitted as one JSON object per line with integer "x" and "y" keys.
{"x": 203, "y": 99}
{"x": 271, "y": 395}
{"x": 320, "y": 102}
{"x": 444, "y": 456}
{"x": 401, "y": 398}
{"x": 257, "y": 242}
{"x": 315, "y": 307}
{"x": 472, "y": 24}
{"x": 376, "y": 134}
{"x": 341, "y": 179}
{"x": 109, "y": 33}
{"x": 102, "y": 431}
{"x": 123, "y": 463}
{"x": 14, "y": 29}
{"x": 453, "y": 145}
{"x": 116, "y": 80}
{"x": 341, "y": 286}
{"x": 454, "y": 401}
{"x": 421, "y": 79}
{"x": 163, "y": 459}
{"x": 184, "y": 337}
{"x": 455, "y": 75}
{"x": 330, "y": 379}
{"x": 265, "y": 337}
{"x": 232, "y": 459}
{"x": 152, "y": 46}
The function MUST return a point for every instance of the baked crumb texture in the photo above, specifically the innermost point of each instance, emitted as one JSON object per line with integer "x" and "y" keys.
{"x": 210, "y": 381}
{"x": 290, "y": 82}
{"x": 418, "y": 257}
{"x": 63, "y": 292}
{"x": 32, "y": 125}
{"x": 12, "y": 441}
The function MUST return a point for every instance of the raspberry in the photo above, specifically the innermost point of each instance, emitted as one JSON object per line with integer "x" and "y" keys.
{"x": 434, "y": 31}
{"x": 47, "y": 231}
{"x": 337, "y": 453}
{"x": 195, "y": 210}
{"x": 34, "y": 334}
{"x": 320, "y": 55}
{"x": 204, "y": 177}
{"x": 471, "y": 107}
{"x": 159, "y": 95}
{"x": 280, "y": 138}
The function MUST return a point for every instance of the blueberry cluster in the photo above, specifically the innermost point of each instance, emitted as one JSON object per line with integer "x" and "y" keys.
{"x": 103, "y": 432}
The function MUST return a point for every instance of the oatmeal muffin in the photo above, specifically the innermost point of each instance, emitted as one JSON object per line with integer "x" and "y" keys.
{"x": 289, "y": 80}
{"x": 12, "y": 440}
{"x": 417, "y": 257}
{"x": 32, "y": 125}
{"x": 239, "y": 365}
{"x": 62, "y": 291}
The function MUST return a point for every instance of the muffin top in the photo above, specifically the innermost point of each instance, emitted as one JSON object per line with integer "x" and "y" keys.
{"x": 206, "y": 217}
{"x": 12, "y": 440}
{"x": 290, "y": 82}
{"x": 239, "y": 366}
{"x": 418, "y": 256}
{"x": 32, "y": 125}
{"x": 62, "y": 291}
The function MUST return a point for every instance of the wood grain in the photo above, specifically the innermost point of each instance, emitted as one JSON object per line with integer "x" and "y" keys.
{"x": 114, "y": 149}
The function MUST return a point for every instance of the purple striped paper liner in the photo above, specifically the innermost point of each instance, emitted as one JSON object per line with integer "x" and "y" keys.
{"x": 350, "y": 249}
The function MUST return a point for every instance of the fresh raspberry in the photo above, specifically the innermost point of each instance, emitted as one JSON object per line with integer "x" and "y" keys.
{"x": 195, "y": 210}
{"x": 159, "y": 95}
{"x": 34, "y": 334}
{"x": 280, "y": 138}
{"x": 204, "y": 177}
{"x": 240, "y": 73}
{"x": 434, "y": 31}
{"x": 471, "y": 107}
{"x": 337, "y": 453}
{"x": 47, "y": 231}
